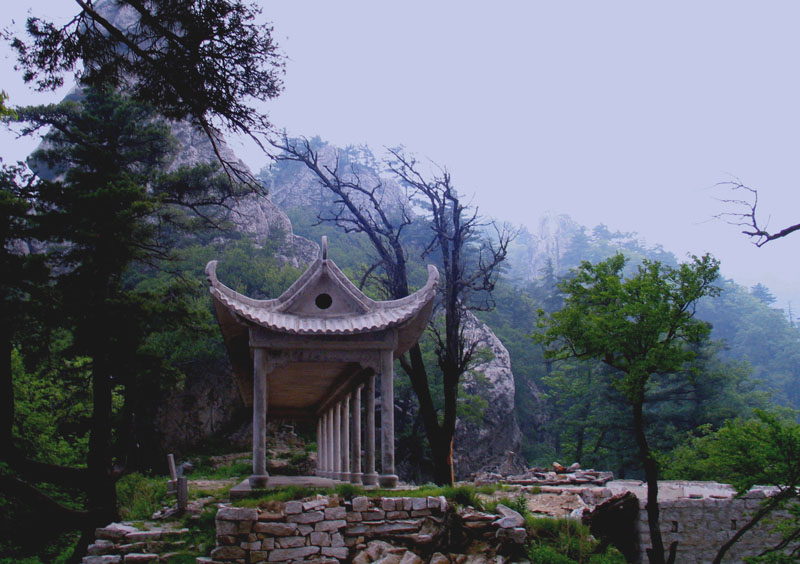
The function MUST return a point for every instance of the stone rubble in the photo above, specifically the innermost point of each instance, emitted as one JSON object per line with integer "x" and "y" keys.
{"x": 559, "y": 475}
{"x": 120, "y": 543}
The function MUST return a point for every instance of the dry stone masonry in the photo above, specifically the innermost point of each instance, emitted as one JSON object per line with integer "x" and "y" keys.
{"x": 119, "y": 543}
{"x": 327, "y": 529}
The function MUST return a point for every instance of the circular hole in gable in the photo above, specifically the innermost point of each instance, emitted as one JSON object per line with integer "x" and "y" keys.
{"x": 323, "y": 301}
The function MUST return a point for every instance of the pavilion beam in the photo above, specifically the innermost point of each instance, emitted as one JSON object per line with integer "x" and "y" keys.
{"x": 340, "y": 390}
{"x": 295, "y": 413}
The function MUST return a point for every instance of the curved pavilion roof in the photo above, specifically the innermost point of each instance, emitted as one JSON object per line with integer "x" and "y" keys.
{"x": 303, "y": 309}
{"x": 326, "y": 320}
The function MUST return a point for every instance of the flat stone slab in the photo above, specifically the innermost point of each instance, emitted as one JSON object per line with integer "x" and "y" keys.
{"x": 243, "y": 489}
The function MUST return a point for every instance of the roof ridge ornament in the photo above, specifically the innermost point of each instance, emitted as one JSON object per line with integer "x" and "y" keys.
{"x": 324, "y": 247}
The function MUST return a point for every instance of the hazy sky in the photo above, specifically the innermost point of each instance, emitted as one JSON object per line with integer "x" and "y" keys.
{"x": 623, "y": 113}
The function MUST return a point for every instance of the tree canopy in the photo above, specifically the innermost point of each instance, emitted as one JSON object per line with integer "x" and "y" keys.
{"x": 640, "y": 326}
{"x": 206, "y": 61}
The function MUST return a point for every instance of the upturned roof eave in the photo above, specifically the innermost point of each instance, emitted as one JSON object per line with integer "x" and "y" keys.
{"x": 270, "y": 315}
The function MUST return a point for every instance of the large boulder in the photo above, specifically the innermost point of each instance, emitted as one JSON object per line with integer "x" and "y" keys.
{"x": 490, "y": 442}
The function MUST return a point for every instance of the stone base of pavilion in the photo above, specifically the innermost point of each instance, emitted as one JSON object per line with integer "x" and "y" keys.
{"x": 244, "y": 489}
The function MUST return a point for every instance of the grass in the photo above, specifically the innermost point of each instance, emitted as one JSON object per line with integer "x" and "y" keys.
{"x": 463, "y": 495}
{"x": 236, "y": 469}
{"x": 518, "y": 504}
{"x": 202, "y": 532}
{"x": 139, "y": 496}
{"x": 566, "y": 541}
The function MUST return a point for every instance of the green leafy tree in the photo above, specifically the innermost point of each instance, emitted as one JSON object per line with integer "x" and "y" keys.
{"x": 761, "y": 450}
{"x": 5, "y": 111}
{"x": 108, "y": 204}
{"x": 641, "y": 327}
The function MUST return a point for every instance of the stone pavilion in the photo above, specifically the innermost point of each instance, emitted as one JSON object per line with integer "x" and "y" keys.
{"x": 313, "y": 353}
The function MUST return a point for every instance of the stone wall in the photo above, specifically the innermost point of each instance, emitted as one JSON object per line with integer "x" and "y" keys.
{"x": 702, "y": 516}
{"x": 328, "y": 529}
{"x": 702, "y": 526}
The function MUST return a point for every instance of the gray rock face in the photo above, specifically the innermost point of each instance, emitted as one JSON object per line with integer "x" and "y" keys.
{"x": 483, "y": 446}
{"x": 540, "y": 245}
{"x": 255, "y": 215}
{"x": 293, "y": 185}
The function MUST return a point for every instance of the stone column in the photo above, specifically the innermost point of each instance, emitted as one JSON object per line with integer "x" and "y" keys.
{"x": 370, "y": 477}
{"x": 322, "y": 446}
{"x": 319, "y": 447}
{"x": 355, "y": 416}
{"x": 329, "y": 447}
{"x": 337, "y": 442}
{"x": 344, "y": 406}
{"x": 259, "y": 477}
{"x": 387, "y": 479}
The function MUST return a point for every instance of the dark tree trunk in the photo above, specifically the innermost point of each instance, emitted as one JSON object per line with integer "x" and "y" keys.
{"x": 443, "y": 462}
{"x": 102, "y": 495}
{"x": 441, "y": 444}
{"x": 6, "y": 390}
{"x": 656, "y": 553}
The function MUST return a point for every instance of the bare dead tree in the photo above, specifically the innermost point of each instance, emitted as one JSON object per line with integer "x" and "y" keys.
{"x": 748, "y": 219}
{"x": 470, "y": 265}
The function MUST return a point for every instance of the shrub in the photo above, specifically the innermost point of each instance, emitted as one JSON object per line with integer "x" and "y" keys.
{"x": 138, "y": 496}
{"x": 348, "y": 491}
{"x": 567, "y": 541}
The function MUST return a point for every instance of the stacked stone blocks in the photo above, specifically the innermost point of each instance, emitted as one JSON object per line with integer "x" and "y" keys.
{"x": 328, "y": 530}
{"x": 701, "y": 526}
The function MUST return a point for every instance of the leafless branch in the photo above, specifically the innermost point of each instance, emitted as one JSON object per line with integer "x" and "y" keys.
{"x": 748, "y": 219}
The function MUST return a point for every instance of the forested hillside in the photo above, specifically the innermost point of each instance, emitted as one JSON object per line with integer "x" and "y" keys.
{"x": 568, "y": 409}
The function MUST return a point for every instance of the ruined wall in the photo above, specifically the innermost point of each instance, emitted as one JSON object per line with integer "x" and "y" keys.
{"x": 328, "y": 529}
{"x": 702, "y": 526}
{"x": 702, "y": 516}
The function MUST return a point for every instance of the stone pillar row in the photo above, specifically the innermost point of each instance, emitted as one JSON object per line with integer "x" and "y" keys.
{"x": 339, "y": 450}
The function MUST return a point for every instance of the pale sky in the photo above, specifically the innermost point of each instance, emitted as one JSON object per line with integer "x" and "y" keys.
{"x": 623, "y": 113}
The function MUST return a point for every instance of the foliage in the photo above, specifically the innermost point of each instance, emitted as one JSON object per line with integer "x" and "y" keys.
{"x": 641, "y": 326}
{"x": 566, "y": 541}
{"x": 765, "y": 450}
{"x": 206, "y": 61}
{"x": 139, "y": 496}
{"x": 5, "y": 111}
{"x": 760, "y": 335}
{"x": 202, "y": 537}
{"x": 465, "y": 495}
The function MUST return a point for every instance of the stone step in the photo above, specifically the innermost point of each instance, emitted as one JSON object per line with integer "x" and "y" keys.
{"x": 120, "y": 543}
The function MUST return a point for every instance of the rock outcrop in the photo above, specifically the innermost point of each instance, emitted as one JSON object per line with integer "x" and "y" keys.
{"x": 490, "y": 443}
{"x": 541, "y": 246}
